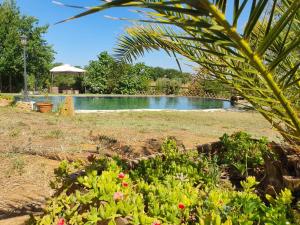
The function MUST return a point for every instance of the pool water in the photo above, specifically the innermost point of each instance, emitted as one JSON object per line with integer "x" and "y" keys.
{"x": 134, "y": 102}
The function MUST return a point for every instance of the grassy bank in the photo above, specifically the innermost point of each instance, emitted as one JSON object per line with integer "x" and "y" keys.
{"x": 51, "y": 132}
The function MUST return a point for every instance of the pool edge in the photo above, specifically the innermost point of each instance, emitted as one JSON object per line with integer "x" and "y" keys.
{"x": 158, "y": 110}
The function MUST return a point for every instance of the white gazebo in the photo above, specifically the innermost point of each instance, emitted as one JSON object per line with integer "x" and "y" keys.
{"x": 65, "y": 69}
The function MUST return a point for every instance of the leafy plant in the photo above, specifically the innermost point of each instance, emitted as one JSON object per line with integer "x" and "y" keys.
{"x": 183, "y": 166}
{"x": 31, "y": 82}
{"x": 258, "y": 57}
{"x": 156, "y": 192}
{"x": 242, "y": 152}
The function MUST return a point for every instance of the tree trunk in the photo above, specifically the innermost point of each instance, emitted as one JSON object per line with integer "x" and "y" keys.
{"x": 0, "y": 83}
{"x": 10, "y": 85}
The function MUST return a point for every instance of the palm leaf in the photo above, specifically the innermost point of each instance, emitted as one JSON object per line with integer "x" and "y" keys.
{"x": 260, "y": 62}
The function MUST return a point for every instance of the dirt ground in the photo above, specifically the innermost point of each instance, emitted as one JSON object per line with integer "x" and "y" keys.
{"x": 32, "y": 144}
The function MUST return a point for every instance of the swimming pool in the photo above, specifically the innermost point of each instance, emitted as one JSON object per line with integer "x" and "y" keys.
{"x": 138, "y": 102}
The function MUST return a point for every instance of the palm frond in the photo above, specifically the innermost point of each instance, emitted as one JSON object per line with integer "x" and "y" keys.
{"x": 259, "y": 60}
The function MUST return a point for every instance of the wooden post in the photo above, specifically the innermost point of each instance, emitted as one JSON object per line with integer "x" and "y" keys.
{"x": 51, "y": 82}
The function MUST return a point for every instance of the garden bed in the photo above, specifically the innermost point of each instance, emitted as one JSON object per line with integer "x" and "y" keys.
{"x": 173, "y": 187}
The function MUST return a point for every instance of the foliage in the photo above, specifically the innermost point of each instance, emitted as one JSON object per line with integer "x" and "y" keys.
{"x": 158, "y": 72}
{"x": 31, "y": 82}
{"x": 242, "y": 152}
{"x": 184, "y": 166}
{"x": 107, "y": 76}
{"x": 258, "y": 57}
{"x": 204, "y": 85}
{"x": 168, "y": 86}
{"x": 174, "y": 189}
{"x": 65, "y": 81}
{"x": 39, "y": 53}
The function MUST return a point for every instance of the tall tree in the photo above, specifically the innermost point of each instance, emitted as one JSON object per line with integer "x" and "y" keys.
{"x": 39, "y": 53}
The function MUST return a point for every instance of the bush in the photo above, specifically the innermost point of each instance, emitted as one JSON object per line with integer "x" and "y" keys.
{"x": 168, "y": 86}
{"x": 243, "y": 152}
{"x": 177, "y": 188}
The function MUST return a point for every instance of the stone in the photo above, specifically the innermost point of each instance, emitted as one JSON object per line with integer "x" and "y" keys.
{"x": 121, "y": 221}
{"x": 294, "y": 164}
{"x": 292, "y": 183}
{"x": 26, "y": 106}
{"x": 68, "y": 107}
{"x": 5, "y": 102}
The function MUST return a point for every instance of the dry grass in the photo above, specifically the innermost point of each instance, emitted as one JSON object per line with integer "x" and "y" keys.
{"x": 50, "y": 132}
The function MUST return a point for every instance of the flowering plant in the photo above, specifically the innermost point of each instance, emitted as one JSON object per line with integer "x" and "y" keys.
{"x": 157, "y": 192}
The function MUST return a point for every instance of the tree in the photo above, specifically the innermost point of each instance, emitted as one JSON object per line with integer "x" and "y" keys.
{"x": 97, "y": 73}
{"x": 107, "y": 76}
{"x": 256, "y": 58}
{"x": 158, "y": 72}
{"x": 39, "y": 53}
{"x": 205, "y": 85}
{"x": 168, "y": 86}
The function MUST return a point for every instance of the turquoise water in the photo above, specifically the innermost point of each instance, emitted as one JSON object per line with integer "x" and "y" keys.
{"x": 134, "y": 102}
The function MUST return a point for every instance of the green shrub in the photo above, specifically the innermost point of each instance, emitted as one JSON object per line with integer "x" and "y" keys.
{"x": 170, "y": 189}
{"x": 168, "y": 86}
{"x": 243, "y": 152}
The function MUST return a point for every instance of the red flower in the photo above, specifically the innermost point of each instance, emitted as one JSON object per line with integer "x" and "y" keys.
{"x": 124, "y": 184}
{"x": 61, "y": 221}
{"x": 121, "y": 175}
{"x": 181, "y": 205}
{"x": 156, "y": 223}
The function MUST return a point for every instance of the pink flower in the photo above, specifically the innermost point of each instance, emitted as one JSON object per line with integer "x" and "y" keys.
{"x": 124, "y": 184}
{"x": 156, "y": 223}
{"x": 61, "y": 221}
{"x": 118, "y": 196}
{"x": 181, "y": 205}
{"x": 121, "y": 175}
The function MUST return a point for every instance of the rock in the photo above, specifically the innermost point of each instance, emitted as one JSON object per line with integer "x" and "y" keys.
{"x": 121, "y": 221}
{"x": 270, "y": 190}
{"x": 292, "y": 183}
{"x": 118, "y": 221}
{"x": 5, "y": 102}
{"x": 210, "y": 149}
{"x": 68, "y": 107}
{"x": 294, "y": 164}
{"x": 26, "y": 106}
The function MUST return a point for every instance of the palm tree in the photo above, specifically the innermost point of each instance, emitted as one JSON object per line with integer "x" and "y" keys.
{"x": 252, "y": 45}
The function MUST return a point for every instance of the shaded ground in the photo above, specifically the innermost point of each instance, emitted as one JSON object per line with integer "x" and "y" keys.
{"x": 30, "y": 142}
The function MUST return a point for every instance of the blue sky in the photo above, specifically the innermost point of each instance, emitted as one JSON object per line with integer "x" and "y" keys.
{"x": 79, "y": 41}
{"x": 76, "y": 42}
